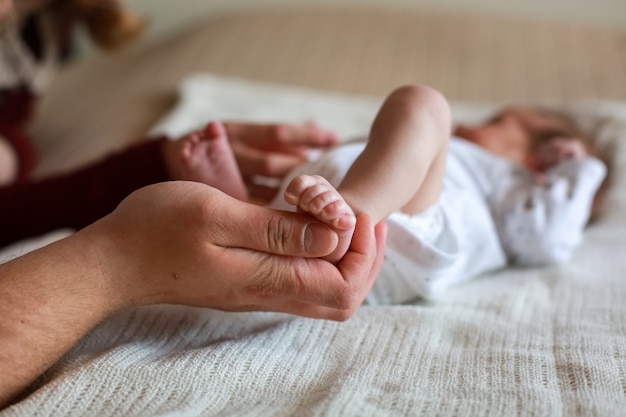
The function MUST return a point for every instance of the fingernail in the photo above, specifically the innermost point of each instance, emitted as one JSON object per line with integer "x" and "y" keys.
{"x": 317, "y": 239}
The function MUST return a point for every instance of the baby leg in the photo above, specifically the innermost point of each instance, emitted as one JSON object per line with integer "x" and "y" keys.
{"x": 314, "y": 195}
{"x": 401, "y": 167}
{"x": 403, "y": 163}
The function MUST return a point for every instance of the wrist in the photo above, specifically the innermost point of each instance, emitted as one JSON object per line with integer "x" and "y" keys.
{"x": 51, "y": 298}
{"x": 84, "y": 274}
{"x": 116, "y": 266}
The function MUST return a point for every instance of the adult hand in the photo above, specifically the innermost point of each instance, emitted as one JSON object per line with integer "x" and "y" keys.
{"x": 272, "y": 150}
{"x": 176, "y": 242}
{"x": 187, "y": 243}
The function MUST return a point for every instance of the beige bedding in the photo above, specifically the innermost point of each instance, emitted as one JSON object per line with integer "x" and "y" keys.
{"x": 518, "y": 342}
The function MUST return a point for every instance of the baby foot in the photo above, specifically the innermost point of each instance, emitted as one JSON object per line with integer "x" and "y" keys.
{"x": 314, "y": 195}
{"x": 206, "y": 156}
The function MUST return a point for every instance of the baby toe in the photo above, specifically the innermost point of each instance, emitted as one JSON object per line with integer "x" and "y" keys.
{"x": 346, "y": 221}
{"x": 297, "y": 188}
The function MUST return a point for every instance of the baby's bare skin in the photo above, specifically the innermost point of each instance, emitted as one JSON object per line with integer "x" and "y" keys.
{"x": 206, "y": 156}
{"x": 314, "y": 195}
{"x": 410, "y": 133}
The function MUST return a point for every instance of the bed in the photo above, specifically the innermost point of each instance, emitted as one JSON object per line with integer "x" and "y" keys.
{"x": 539, "y": 342}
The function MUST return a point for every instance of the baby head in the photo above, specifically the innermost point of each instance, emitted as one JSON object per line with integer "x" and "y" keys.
{"x": 521, "y": 134}
{"x": 535, "y": 138}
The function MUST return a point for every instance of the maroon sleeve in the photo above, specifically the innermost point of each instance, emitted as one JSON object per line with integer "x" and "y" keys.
{"x": 77, "y": 199}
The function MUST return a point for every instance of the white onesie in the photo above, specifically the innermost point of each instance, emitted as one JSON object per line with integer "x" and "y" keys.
{"x": 491, "y": 213}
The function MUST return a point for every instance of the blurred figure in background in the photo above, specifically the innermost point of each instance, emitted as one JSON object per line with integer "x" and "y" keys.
{"x": 35, "y": 37}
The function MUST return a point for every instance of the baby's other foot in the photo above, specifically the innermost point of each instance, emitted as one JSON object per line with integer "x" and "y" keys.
{"x": 314, "y": 195}
{"x": 206, "y": 156}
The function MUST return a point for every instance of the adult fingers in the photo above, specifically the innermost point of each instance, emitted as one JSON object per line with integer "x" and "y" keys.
{"x": 281, "y": 136}
{"x": 261, "y": 194}
{"x": 337, "y": 290}
{"x": 362, "y": 264}
{"x": 313, "y": 287}
{"x": 261, "y": 229}
{"x": 328, "y": 295}
{"x": 252, "y": 161}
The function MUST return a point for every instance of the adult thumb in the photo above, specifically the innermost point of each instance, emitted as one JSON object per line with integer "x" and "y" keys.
{"x": 279, "y": 232}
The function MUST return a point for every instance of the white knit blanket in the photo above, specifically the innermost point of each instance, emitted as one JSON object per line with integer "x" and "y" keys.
{"x": 543, "y": 342}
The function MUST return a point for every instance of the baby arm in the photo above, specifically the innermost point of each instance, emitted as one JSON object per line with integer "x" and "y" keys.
{"x": 558, "y": 150}
{"x": 555, "y": 151}
{"x": 542, "y": 222}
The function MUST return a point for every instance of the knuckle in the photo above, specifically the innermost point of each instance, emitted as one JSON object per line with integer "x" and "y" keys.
{"x": 346, "y": 301}
{"x": 343, "y": 315}
{"x": 278, "y": 232}
{"x": 340, "y": 298}
{"x": 271, "y": 281}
